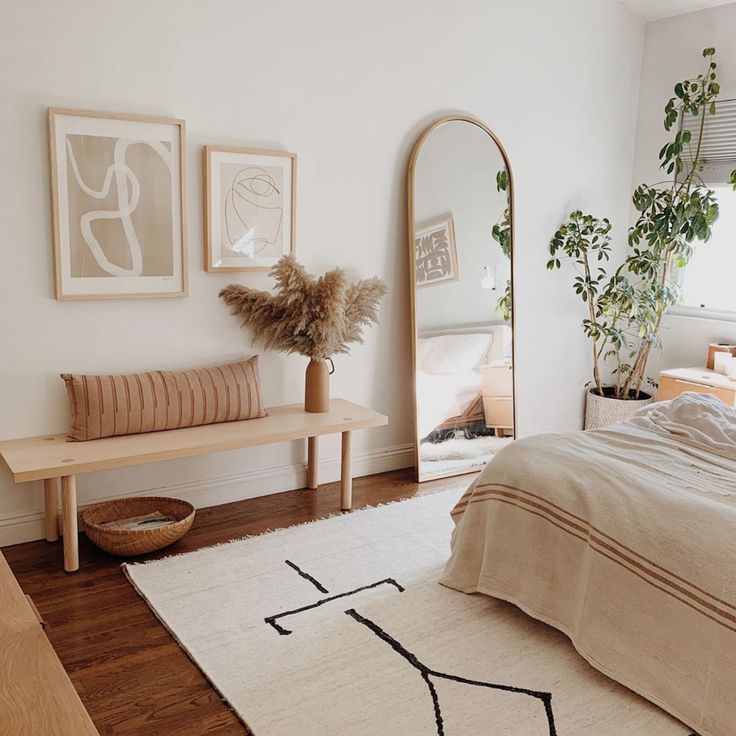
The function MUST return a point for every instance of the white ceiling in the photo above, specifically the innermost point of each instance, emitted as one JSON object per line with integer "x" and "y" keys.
{"x": 654, "y": 9}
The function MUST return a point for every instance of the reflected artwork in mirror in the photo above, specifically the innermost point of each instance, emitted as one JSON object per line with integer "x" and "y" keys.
{"x": 460, "y": 206}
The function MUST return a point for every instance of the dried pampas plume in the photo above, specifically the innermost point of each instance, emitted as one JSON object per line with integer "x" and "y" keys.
{"x": 314, "y": 317}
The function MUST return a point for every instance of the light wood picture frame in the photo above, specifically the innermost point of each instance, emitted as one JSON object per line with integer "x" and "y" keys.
{"x": 249, "y": 208}
{"x": 118, "y": 205}
{"x": 435, "y": 252}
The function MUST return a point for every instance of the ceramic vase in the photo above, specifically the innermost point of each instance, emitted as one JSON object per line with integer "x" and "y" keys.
{"x": 317, "y": 387}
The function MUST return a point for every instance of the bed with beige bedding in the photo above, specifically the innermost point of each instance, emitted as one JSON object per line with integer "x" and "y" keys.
{"x": 624, "y": 538}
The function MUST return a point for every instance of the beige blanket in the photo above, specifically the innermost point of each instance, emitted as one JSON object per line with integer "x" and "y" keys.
{"x": 624, "y": 538}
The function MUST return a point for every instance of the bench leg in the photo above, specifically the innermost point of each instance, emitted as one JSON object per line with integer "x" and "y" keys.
{"x": 69, "y": 522}
{"x": 51, "y": 508}
{"x": 346, "y": 473}
{"x": 312, "y": 462}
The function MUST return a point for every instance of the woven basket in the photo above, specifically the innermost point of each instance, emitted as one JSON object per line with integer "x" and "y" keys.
{"x": 600, "y": 411}
{"x": 127, "y": 542}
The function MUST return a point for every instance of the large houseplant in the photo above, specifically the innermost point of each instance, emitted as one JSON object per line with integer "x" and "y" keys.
{"x": 625, "y": 309}
{"x": 501, "y": 233}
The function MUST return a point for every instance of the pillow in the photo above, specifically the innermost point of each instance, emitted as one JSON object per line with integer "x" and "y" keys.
{"x": 446, "y": 354}
{"x": 105, "y": 406}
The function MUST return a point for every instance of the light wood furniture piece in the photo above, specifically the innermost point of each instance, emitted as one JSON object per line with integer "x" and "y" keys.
{"x": 497, "y": 387}
{"x": 676, "y": 381}
{"x": 37, "y": 697}
{"x": 52, "y": 457}
{"x": 439, "y": 157}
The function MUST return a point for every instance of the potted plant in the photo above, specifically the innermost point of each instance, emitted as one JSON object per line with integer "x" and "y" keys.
{"x": 501, "y": 233}
{"x": 625, "y": 309}
{"x": 317, "y": 318}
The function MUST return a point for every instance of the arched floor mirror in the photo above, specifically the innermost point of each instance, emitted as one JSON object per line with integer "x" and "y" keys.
{"x": 461, "y": 253}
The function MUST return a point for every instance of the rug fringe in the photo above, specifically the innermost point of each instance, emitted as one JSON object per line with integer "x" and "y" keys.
{"x": 458, "y": 487}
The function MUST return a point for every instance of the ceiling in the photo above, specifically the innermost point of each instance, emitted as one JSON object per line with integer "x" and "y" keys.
{"x": 654, "y": 9}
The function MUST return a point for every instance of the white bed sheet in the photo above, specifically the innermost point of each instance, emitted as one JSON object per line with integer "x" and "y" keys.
{"x": 440, "y": 397}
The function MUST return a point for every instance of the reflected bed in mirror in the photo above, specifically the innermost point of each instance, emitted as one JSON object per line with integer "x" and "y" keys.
{"x": 461, "y": 255}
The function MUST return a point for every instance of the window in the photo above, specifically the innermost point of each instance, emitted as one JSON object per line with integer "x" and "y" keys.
{"x": 708, "y": 282}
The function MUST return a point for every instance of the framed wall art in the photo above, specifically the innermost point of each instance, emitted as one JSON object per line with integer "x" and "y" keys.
{"x": 250, "y": 206}
{"x": 435, "y": 252}
{"x": 117, "y": 185}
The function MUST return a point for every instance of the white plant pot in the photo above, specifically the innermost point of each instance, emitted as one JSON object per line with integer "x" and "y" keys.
{"x": 602, "y": 410}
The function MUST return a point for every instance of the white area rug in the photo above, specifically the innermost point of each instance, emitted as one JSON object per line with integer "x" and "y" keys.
{"x": 339, "y": 627}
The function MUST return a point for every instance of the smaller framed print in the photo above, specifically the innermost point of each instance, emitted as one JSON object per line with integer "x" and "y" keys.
{"x": 249, "y": 208}
{"x": 435, "y": 253}
{"x": 117, "y": 186}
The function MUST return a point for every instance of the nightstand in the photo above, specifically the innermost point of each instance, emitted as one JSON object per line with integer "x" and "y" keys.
{"x": 497, "y": 387}
{"x": 678, "y": 380}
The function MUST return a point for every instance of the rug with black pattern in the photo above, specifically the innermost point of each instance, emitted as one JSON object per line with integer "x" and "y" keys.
{"x": 340, "y": 627}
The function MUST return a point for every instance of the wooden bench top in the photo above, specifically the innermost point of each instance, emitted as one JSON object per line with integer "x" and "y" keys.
{"x": 36, "y": 695}
{"x": 37, "y": 458}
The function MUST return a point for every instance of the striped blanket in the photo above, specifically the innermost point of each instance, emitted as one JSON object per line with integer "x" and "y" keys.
{"x": 624, "y": 538}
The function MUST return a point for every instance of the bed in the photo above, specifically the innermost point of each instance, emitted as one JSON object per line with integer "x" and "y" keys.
{"x": 624, "y": 538}
{"x": 448, "y": 381}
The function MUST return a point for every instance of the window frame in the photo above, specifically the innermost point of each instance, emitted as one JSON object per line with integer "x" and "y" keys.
{"x": 683, "y": 310}
{"x": 715, "y": 174}
{"x": 688, "y": 310}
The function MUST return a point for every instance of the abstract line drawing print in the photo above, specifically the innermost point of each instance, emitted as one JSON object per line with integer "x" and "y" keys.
{"x": 127, "y": 192}
{"x": 253, "y": 209}
{"x": 249, "y": 208}
{"x": 428, "y": 675}
{"x": 435, "y": 253}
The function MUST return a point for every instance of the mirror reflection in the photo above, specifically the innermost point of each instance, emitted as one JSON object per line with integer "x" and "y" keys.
{"x": 461, "y": 249}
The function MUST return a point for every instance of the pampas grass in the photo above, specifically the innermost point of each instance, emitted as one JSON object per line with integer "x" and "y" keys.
{"x": 316, "y": 317}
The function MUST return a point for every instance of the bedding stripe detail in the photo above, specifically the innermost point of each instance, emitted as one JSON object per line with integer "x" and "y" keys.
{"x": 696, "y": 598}
{"x": 488, "y": 488}
{"x": 620, "y": 564}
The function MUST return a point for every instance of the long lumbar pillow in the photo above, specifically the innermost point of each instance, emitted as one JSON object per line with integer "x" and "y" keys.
{"x": 105, "y": 406}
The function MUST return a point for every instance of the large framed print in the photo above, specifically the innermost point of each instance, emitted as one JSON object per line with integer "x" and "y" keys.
{"x": 117, "y": 186}
{"x": 249, "y": 207}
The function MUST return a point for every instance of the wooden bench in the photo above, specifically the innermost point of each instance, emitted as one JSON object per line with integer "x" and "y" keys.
{"x": 52, "y": 457}
{"x": 36, "y": 695}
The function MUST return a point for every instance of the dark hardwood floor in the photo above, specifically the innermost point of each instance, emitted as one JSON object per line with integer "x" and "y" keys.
{"x": 131, "y": 675}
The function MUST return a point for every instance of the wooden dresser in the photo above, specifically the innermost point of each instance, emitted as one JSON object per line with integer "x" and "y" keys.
{"x": 497, "y": 387}
{"x": 37, "y": 697}
{"x": 701, "y": 380}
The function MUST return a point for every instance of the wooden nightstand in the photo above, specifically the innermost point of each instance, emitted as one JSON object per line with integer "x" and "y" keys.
{"x": 497, "y": 387}
{"x": 678, "y": 380}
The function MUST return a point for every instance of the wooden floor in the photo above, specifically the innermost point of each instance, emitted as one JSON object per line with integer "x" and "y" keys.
{"x": 131, "y": 675}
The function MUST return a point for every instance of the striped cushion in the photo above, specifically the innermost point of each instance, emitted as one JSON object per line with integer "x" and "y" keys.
{"x": 105, "y": 406}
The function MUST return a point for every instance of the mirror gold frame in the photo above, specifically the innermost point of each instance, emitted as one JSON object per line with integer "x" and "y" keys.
{"x": 412, "y": 269}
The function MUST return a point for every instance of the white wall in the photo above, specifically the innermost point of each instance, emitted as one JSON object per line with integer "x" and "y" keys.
{"x": 672, "y": 53}
{"x": 349, "y": 86}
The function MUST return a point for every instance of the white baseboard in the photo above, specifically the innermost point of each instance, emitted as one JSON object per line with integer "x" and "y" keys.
{"x": 27, "y": 526}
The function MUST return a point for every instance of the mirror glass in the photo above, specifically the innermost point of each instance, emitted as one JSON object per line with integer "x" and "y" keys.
{"x": 461, "y": 255}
